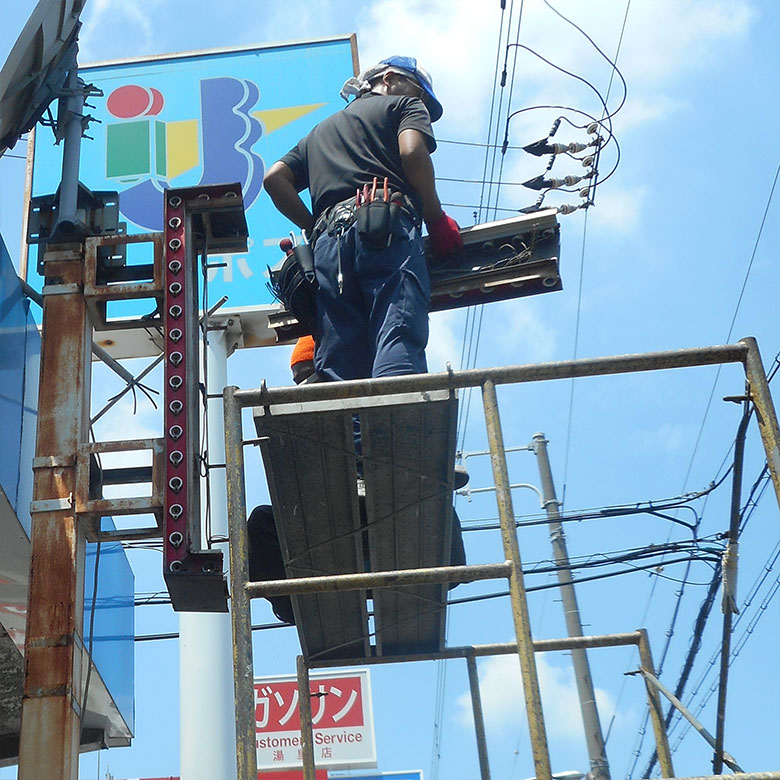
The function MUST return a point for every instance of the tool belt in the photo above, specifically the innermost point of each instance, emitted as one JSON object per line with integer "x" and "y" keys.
{"x": 376, "y": 219}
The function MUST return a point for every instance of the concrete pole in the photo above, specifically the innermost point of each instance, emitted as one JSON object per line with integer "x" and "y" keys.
{"x": 207, "y": 739}
{"x": 590, "y": 716}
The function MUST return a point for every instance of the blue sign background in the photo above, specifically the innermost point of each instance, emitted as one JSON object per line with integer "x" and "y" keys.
{"x": 205, "y": 118}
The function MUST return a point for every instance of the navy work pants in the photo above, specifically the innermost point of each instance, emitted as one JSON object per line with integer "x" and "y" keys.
{"x": 378, "y": 325}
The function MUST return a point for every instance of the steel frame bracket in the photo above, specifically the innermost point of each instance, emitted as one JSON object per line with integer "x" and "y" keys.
{"x": 98, "y": 291}
{"x": 89, "y": 500}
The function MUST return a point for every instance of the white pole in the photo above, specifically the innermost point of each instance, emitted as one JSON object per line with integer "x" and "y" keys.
{"x": 207, "y": 740}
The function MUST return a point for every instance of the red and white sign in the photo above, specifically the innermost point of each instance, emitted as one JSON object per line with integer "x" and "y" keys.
{"x": 342, "y": 720}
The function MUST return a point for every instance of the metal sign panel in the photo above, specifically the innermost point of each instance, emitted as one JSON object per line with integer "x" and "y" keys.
{"x": 204, "y": 118}
{"x": 342, "y": 717}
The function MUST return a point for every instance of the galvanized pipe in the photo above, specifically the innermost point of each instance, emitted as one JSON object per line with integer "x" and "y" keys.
{"x": 304, "y": 708}
{"x": 478, "y": 651}
{"x": 654, "y": 703}
{"x": 766, "y": 414}
{"x": 71, "y": 105}
{"x": 688, "y": 715}
{"x": 479, "y": 720}
{"x": 566, "y": 369}
{"x": 243, "y": 672}
{"x": 517, "y": 595}
{"x": 377, "y": 579}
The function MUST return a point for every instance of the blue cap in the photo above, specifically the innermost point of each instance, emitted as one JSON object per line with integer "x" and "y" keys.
{"x": 422, "y": 77}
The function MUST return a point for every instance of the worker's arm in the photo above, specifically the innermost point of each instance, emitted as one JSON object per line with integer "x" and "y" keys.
{"x": 418, "y": 169}
{"x": 279, "y": 183}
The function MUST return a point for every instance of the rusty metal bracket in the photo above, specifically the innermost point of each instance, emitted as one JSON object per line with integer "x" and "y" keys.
{"x": 53, "y": 461}
{"x": 98, "y": 291}
{"x": 89, "y": 500}
{"x": 60, "y": 289}
{"x": 51, "y": 504}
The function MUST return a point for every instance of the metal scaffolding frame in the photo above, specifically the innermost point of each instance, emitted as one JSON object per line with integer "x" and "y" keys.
{"x": 744, "y": 352}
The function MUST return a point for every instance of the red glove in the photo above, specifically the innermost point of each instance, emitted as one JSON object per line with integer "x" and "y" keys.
{"x": 444, "y": 236}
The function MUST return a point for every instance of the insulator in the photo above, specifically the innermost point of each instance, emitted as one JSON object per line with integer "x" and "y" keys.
{"x": 540, "y": 183}
{"x": 587, "y": 162}
{"x": 567, "y": 209}
{"x": 584, "y": 192}
{"x": 574, "y": 147}
{"x": 592, "y": 128}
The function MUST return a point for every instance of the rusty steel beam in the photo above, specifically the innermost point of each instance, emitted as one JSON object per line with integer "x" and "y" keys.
{"x": 376, "y": 579}
{"x": 240, "y": 605}
{"x": 304, "y": 709}
{"x": 478, "y": 651}
{"x": 654, "y": 704}
{"x": 765, "y": 410}
{"x": 538, "y": 372}
{"x": 51, "y": 707}
{"x": 517, "y": 593}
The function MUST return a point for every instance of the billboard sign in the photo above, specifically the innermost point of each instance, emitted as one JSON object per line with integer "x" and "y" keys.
{"x": 203, "y": 118}
{"x": 342, "y": 719}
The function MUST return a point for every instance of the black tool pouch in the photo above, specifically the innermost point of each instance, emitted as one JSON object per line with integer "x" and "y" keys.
{"x": 376, "y": 223}
{"x": 296, "y": 290}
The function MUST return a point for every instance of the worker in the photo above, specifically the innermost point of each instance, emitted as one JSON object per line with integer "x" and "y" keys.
{"x": 369, "y": 172}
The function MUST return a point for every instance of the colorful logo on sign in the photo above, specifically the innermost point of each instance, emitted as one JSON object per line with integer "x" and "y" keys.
{"x": 148, "y": 152}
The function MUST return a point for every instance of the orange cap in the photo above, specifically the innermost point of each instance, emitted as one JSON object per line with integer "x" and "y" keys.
{"x": 303, "y": 350}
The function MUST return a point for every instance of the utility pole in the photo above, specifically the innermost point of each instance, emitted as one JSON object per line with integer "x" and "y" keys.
{"x": 590, "y": 716}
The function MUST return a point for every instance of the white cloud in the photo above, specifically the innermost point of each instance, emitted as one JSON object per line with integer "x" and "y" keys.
{"x": 103, "y": 19}
{"x": 618, "y": 209}
{"x": 501, "y": 690}
{"x": 443, "y": 343}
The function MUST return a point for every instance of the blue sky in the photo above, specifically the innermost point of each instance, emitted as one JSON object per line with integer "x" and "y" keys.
{"x": 659, "y": 263}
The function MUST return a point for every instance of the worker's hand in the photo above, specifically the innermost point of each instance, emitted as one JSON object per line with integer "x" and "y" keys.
{"x": 444, "y": 235}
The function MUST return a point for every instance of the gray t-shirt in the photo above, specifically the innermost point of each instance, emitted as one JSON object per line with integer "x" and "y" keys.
{"x": 351, "y": 147}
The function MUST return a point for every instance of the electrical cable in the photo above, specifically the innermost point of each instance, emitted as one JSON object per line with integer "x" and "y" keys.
{"x": 509, "y": 100}
{"x": 708, "y": 405}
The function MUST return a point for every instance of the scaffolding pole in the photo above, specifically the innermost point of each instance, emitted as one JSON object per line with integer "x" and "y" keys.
{"x": 745, "y": 352}
{"x": 517, "y": 594}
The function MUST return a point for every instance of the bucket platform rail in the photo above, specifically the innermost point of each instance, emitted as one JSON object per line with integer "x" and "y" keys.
{"x": 330, "y": 606}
